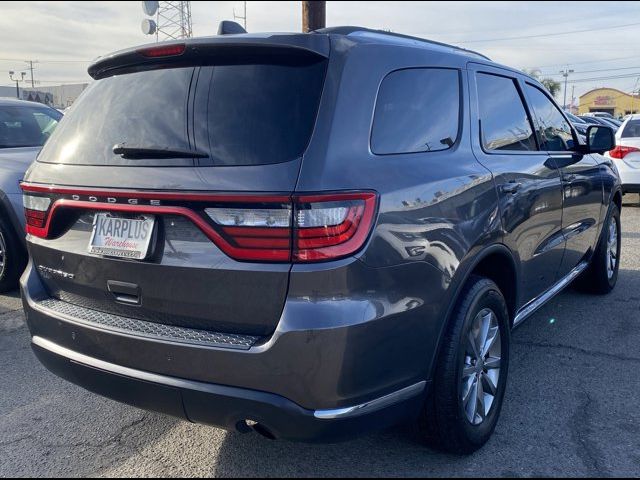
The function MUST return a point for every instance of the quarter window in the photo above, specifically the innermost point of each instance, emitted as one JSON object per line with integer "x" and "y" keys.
{"x": 504, "y": 123}
{"x": 554, "y": 131}
{"x": 417, "y": 110}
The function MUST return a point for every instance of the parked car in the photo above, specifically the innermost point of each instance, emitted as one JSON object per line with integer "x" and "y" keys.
{"x": 339, "y": 236}
{"x": 578, "y": 123}
{"x": 24, "y": 127}
{"x": 599, "y": 114}
{"x": 627, "y": 154}
{"x": 591, "y": 120}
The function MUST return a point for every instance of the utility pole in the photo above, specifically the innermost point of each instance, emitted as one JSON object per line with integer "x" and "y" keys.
{"x": 30, "y": 62}
{"x": 314, "y": 15}
{"x": 565, "y": 73}
{"x": 573, "y": 88}
{"x": 242, "y": 17}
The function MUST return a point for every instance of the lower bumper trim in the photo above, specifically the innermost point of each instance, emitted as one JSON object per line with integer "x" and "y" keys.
{"x": 373, "y": 405}
{"x": 227, "y": 407}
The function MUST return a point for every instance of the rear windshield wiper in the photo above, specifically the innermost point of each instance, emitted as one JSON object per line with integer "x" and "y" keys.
{"x": 134, "y": 153}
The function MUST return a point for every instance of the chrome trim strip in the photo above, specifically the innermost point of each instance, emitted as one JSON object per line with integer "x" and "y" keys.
{"x": 536, "y": 303}
{"x": 373, "y": 405}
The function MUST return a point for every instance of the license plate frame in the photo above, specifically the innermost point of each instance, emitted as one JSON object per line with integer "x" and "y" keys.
{"x": 121, "y": 237}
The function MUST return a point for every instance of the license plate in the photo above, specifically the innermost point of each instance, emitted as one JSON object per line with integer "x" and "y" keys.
{"x": 121, "y": 237}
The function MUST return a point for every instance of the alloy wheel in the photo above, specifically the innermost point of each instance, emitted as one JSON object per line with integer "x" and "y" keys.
{"x": 481, "y": 369}
{"x": 3, "y": 254}
{"x": 612, "y": 247}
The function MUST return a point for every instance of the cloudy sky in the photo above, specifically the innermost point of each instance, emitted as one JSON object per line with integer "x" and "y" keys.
{"x": 598, "y": 40}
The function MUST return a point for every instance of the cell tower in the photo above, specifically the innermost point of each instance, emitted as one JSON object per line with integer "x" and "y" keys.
{"x": 172, "y": 20}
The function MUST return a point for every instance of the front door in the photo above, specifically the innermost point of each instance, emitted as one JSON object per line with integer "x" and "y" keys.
{"x": 581, "y": 182}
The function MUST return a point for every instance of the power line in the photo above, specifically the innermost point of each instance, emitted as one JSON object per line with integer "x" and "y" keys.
{"x": 591, "y": 71}
{"x": 617, "y": 77}
{"x": 43, "y": 61}
{"x": 586, "y": 62}
{"x": 543, "y": 35}
{"x": 530, "y": 26}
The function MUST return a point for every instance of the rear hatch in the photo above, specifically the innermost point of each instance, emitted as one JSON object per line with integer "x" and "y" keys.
{"x": 628, "y": 144}
{"x": 165, "y": 194}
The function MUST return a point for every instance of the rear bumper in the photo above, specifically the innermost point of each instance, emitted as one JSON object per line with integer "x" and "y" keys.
{"x": 226, "y": 407}
{"x": 347, "y": 374}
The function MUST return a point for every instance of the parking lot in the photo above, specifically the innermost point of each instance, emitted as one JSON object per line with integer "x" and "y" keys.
{"x": 571, "y": 408}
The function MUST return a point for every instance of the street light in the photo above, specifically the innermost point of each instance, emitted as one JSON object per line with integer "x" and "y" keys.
{"x": 565, "y": 73}
{"x": 17, "y": 80}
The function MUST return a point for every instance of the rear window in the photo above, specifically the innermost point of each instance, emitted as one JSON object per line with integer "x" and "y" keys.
{"x": 251, "y": 115}
{"x": 260, "y": 114}
{"x": 417, "y": 110}
{"x": 631, "y": 129}
{"x": 25, "y": 126}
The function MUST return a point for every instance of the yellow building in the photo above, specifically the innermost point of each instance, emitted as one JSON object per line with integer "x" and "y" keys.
{"x": 609, "y": 100}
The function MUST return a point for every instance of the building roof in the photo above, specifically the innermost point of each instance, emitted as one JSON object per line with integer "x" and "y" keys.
{"x": 608, "y": 88}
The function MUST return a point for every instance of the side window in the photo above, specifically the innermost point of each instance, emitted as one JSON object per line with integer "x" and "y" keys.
{"x": 417, "y": 110}
{"x": 554, "y": 131}
{"x": 504, "y": 124}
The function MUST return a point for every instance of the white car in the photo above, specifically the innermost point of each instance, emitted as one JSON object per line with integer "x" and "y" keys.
{"x": 627, "y": 154}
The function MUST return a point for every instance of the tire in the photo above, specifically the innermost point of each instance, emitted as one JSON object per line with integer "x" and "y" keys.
{"x": 447, "y": 422}
{"x": 13, "y": 258}
{"x": 598, "y": 278}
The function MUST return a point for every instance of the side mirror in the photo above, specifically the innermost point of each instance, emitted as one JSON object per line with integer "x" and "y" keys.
{"x": 600, "y": 139}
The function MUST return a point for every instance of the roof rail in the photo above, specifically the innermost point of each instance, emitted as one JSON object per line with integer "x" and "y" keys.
{"x": 346, "y": 30}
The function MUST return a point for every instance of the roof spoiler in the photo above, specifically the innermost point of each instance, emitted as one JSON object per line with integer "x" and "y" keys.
{"x": 219, "y": 50}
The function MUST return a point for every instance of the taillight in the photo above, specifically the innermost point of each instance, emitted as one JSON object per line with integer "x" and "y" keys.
{"x": 622, "y": 151}
{"x": 36, "y": 210}
{"x": 264, "y": 228}
{"x": 255, "y": 233}
{"x": 312, "y": 228}
{"x": 331, "y": 226}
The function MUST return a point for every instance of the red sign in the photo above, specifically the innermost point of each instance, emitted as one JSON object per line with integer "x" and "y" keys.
{"x": 603, "y": 100}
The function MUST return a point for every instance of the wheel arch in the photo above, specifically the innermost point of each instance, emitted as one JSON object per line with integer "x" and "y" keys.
{"x": 495, "y": 262}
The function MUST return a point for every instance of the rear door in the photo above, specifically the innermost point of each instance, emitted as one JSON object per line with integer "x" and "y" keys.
{"x": 211, "y": 156}
{"x": 581, "y": 182}
{"x": 528, "y": 183}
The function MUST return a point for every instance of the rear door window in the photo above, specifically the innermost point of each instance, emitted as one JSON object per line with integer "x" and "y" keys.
{"x": 504, "y": 123}
{"x": 417, "y": 110}
{"x": 554, "y": 130}
{"x": 631, "y": 129}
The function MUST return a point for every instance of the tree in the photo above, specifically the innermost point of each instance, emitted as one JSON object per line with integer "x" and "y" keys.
{"x": 549, "y": 83}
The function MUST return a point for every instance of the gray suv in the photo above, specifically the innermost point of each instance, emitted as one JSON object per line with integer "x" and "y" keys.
{"x": 310, "y": 235}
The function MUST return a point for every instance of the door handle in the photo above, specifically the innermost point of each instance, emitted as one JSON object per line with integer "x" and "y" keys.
{"x": 570, "y": 178}
{"x": 510, "y": 187}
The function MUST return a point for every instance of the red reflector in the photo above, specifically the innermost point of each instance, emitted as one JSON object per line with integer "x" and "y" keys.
{"x": 163, "y": 51}
{"x": 622, "y": 151}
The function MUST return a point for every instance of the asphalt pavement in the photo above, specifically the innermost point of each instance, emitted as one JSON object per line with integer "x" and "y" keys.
{"x": 571, "y": 409}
